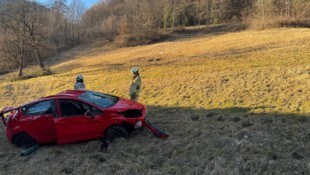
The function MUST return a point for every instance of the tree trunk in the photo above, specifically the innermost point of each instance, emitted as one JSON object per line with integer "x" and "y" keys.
{"x": 173, "y": 15}
{"x": 263, "y": 10}
{"x": 208, "y": 12}
{"x": 20, "y": 67}
{"x": 39, "y": 59}
{"x": 166, "y": 15}
{"x": 173, "y": 20}
{"x": 20, "y": 71}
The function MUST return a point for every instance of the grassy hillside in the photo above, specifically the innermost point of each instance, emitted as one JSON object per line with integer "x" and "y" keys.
{"x": 234, "y": 103}
{"x": 267, "y": 71}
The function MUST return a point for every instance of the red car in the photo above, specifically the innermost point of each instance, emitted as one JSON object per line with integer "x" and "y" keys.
{"x": 74, "y": 116}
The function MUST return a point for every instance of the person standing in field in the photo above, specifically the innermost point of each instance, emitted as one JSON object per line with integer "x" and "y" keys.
{"x": 135, "y": 87}
{"x": 79, "y": 84}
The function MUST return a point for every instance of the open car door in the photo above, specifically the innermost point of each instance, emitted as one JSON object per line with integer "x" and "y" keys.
{"x": 74, "y": 124}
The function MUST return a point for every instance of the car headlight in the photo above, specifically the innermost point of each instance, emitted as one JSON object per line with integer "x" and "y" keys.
{"x": 138, "y": 125}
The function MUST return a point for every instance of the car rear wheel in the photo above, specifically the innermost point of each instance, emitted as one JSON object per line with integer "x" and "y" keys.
{"x": 115, "y": 132}
{"x": 24, "y": 140}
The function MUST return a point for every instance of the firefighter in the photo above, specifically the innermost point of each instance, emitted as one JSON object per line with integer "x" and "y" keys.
{"x": 135, "y": 87}
{"x": 79, "y": 85}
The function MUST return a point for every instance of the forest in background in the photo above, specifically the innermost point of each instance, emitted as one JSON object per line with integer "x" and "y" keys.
{"x": 31, "y": 32}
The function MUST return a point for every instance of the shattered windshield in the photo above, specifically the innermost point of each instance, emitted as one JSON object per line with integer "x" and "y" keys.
{"x": 102, "y": 100}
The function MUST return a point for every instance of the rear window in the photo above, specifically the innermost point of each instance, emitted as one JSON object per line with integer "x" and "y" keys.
{"x": 40, "y": 108}
{"x": 102, "y": 100}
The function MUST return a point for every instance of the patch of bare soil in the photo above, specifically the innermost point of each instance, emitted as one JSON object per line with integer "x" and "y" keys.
{"x": 220, "y": 141}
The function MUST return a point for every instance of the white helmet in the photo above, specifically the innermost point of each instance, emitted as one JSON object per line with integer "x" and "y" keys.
{"x": 79, "y": 77}
{"x": 134, "y": 70}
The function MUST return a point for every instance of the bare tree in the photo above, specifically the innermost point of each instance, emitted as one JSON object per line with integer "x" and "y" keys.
{"x": 36, "y": 25}
{"x": 15, "y": 42}
{"x": 57, "y": 22}
{"x": 26, "y": 32}
{"x": 74, "y": 14}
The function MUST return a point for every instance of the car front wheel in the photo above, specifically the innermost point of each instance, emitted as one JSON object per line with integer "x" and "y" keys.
{"x": 24, "y": 140}
{"x": 115, "y": 132}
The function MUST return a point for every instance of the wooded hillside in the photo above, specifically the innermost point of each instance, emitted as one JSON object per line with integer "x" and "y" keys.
{"x": 31, "y": 32}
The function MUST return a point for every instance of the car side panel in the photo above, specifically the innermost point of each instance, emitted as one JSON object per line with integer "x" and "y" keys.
{"x": 39, "y": 126}
{"x": 21, "y": 124}
{"x": 42, "y": 128}
{"x": 112, "y": 118}
{"x": 108, "y": 119}
{"x": 76, "y": 129}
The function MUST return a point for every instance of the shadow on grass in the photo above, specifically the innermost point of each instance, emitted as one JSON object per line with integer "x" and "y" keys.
{"x": 221, "y": 141}
{"x": 218, "y": 141}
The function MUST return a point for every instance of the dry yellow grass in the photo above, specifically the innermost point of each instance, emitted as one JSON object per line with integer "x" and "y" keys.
{"x": 204, "y": 91}
{"x": 267, "y": 71}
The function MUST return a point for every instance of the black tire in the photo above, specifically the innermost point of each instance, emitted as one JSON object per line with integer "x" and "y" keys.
{"x": 115, "y": 132}
{"x": 24, "y": 140}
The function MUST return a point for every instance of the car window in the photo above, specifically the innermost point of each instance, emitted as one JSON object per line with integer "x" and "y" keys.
{"x": 102, "y": 100}
{"x": 41, "y": 108}
{"x": 75, "y": 108}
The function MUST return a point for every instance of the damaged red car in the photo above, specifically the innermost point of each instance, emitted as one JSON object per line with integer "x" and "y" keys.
{"x": 74, "y": 116}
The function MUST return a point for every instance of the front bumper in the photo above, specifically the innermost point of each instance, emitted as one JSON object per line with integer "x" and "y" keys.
{"x": 155, "y": 130}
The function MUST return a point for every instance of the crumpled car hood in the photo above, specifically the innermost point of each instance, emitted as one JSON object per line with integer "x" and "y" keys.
{"x": 127, "y": 104}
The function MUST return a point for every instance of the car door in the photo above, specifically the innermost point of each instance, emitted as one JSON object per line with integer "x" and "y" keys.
{"x": 75, "y": 123}
{"x": 39, "y": 121}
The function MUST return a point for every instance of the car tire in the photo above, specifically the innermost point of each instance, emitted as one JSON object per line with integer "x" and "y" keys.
{"x": 115, "y": 132}
{"x": 24, "y": 140}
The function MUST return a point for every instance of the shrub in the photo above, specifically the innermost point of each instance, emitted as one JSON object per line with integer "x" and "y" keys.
{"x": 279, "y": 22}
{"x": 137, "y": 39}
{"x": 35, "y": 73}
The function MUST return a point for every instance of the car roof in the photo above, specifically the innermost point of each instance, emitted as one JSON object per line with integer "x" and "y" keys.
{"x": 70, "y": 93}
{"x": 63, "y": 94}
{"x": 67, "y": 93}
